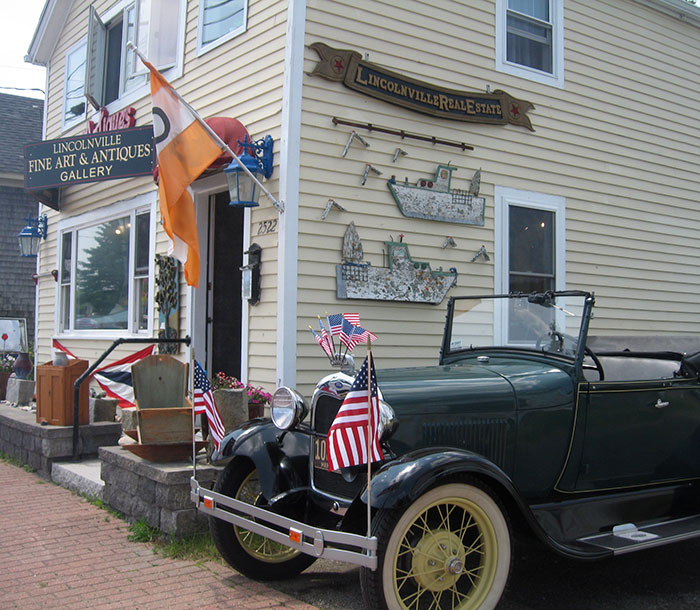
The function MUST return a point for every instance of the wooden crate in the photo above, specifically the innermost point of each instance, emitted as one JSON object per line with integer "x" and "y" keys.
{"x": 165, "y": 425}
{"x": 55, "y": 393}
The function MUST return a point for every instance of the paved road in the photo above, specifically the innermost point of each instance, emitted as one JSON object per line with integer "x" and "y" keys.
{"x": 59, "y": 551}
{"x": 667, "y": 578}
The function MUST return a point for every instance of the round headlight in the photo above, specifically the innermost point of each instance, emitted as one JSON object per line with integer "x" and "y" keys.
{"x": 387, "y": 421}
{"x": 287, "y": 408}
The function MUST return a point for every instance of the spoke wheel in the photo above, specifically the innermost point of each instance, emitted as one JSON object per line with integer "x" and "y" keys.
{"x": 257, "y": 546}
{"x": 247, "y": 552}
{"x": 449, "y": 550}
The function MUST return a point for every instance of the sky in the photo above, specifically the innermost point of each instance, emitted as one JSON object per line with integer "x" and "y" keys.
{"x": 18, "y": 20}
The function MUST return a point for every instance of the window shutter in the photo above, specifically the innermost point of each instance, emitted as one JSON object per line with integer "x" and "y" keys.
{"x": 158, "y": 44}
{"x": 94, "y": 82}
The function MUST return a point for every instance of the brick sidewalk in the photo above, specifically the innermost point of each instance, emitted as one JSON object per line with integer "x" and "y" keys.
{"x": 59, "y": 551}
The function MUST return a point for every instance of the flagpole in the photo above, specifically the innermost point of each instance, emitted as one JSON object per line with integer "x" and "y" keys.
{"x": 191, "y": 392}
{"x": 277, "y": 204}
{"x": 369, "y": 436}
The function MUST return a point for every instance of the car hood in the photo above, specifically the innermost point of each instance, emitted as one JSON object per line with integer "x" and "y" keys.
{"x": 501, "y": 385}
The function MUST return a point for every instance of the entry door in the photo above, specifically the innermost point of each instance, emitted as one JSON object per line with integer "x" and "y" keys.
{"x": 224, "y": 281}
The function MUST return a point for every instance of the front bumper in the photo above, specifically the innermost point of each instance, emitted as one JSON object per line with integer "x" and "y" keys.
{"x": 329, "y": 544}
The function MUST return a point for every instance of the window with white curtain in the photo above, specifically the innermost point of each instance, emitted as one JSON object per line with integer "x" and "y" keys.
{"x": 530, "y": 39}
{"x": 74, "y": 84}
{"x": 220, "y": 20}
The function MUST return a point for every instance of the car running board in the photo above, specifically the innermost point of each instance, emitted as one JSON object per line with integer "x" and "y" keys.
{"x": 627, "y": 538}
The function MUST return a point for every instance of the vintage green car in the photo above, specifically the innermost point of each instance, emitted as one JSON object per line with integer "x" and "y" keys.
{"x": 590, "y": 443}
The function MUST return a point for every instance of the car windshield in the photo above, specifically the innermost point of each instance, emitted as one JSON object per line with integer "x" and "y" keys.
{"x": 548, "y": 322}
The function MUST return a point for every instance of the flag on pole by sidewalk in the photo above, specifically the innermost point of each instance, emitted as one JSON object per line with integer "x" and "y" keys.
{"x": 184, "y": 149}
{"x": 204, "y": 403}
{"x": 347, "y": 437}
{"x": 115, "y": 379}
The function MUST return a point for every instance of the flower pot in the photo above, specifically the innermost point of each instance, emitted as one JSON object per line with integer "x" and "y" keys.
{"x": 23, "y": 365}
{"x": 255, "y": 409}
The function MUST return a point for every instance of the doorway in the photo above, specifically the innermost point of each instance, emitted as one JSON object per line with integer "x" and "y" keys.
{"x": 224, "y": 304}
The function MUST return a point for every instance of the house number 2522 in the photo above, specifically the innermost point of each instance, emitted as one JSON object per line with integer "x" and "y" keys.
{"x": 267, "y": 226}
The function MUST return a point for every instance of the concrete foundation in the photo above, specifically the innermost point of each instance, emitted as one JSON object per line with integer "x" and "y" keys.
{"x": 159, "y": 493}
{"x": 19, "y": 391}
{"x": 40, "y": 445}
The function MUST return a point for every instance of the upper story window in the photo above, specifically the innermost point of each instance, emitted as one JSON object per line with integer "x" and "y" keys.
{"x": 530, "y": 39}
{"x": 74, "y": 84}
{"x": 113, "y": 70}
{"x": 220, "y": 20}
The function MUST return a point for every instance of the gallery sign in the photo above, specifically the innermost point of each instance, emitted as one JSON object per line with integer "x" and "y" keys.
{"x": 348, "y": 67}
{"x": 89, "y": 158}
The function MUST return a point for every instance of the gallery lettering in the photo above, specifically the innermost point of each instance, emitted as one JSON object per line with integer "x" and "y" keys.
{"x": 89, "y": 158}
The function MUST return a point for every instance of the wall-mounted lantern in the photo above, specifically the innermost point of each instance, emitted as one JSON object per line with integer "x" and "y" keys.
{"x": 243, "y": 190}
{"x": 31, "y": 235}
{"x": 250, "y": 279}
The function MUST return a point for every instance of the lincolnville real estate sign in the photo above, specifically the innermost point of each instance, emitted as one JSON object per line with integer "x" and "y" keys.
{"x": 89, "y": 158}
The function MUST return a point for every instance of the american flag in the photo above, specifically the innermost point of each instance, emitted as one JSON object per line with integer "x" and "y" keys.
{"x": 204, "y": 403}
{"x": 361, "y": 335}
{"x": 346, "y": 332}
{"x": 353, "y": 318}
{"x": 335, "y": 323}
{"x": 322, "y": 343}
{"x": 347, "y": 437}
{"x": 326, "y": 337}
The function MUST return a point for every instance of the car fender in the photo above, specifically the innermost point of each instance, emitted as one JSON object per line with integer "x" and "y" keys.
{"x": 281, "y": 458}
{"x": 402, "y": 481}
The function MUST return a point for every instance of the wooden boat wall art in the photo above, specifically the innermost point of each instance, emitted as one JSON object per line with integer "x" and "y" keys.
{"x": 404, "y": 279}
{"x": 433, "y": 199}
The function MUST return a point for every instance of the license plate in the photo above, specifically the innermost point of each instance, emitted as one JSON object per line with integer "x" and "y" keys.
{"x": 320, "y": 453}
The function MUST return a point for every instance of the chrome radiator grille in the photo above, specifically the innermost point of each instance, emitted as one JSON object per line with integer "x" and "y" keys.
{"x": 333, "y": 483}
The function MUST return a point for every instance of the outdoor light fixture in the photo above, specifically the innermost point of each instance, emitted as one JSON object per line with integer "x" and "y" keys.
{"x": 244, "y": 191}
{"x": 30, "y": 237}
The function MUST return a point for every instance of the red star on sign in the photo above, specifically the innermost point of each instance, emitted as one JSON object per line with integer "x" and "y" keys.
{"x": 338, "y": 65}
{"x": 514, "y": 110}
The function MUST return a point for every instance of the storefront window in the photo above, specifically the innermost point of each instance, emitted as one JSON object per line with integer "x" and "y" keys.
{"x": 104, "y": 282}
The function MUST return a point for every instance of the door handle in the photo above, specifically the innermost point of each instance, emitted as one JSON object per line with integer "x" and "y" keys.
{"x": 661, "y": 404}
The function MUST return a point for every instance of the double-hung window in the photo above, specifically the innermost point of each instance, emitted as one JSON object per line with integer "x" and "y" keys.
{"x": 220, "y": 20}
{"x": 104, "y": 274}
{"x": 74, "y": 84}
{"x": 530, "y": 39}
{"x": 113, "y": 70}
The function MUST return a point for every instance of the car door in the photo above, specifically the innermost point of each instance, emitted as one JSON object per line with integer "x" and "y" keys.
{"x": 639, "y": 432}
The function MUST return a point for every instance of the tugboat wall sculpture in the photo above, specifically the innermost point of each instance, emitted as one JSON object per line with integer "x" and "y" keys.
{"x": 404, "y": 279}
{"x": 432, "y": 198}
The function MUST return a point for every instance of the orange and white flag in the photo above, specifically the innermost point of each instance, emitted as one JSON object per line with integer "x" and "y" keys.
{"x": 185, "y": 149}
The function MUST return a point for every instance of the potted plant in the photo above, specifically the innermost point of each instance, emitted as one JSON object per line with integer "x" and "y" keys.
{"x": 257, "y": 397}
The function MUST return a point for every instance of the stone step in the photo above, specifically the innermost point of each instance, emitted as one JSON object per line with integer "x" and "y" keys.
{"x": 81, "y": 477}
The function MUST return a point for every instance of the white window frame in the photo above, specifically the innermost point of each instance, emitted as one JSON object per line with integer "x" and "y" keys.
{"x": 203, "y": 48}
{"x": 131, "y": 207}
{"x": 67, "y": 123}
{"x": 556, "y": 78}
{"x": 171, "y": 71}
{"x": 504, "y": 197}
